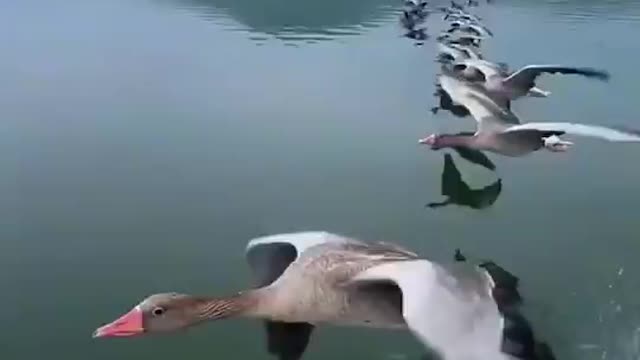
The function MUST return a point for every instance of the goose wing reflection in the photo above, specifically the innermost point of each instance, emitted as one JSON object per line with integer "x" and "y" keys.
{"x": 459, "y": 193}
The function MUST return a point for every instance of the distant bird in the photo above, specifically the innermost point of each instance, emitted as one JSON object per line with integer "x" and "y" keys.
{"x": 513, "y": 86}
{"x": 416, "y": 3}
{"x": 449, "y": 53}
{"x": 499, "y": 130}
{"x": 455, "y": 5}
{"x": 479, "y": 70}
{"x": 418, "y": 10}
{"x": 461, "y": 15}
{"x": 469, "y": 27}
{"x": 459, "y": 193}
{"x": 458, "y": 256}
{"x": 409, "y": 20}
{"x": 461, "y": 39}
{"x": 313, "y": 278}
{"x": 417, "y": 34}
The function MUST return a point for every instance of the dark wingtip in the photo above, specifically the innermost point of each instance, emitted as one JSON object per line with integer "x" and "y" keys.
{"x": 599, "y": 74}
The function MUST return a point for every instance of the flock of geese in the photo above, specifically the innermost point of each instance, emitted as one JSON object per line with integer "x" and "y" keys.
{"x": 469, "y": 84}
{"x": 459, "y": 310}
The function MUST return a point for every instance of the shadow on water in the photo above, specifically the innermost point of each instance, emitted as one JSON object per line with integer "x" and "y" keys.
{"x": 458, "y": 192}
{"x": 306, "y": 21}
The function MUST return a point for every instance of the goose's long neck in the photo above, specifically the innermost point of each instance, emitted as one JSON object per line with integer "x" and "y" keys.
{"x": 243, "y": 304}
{"x": 457, "y": 140}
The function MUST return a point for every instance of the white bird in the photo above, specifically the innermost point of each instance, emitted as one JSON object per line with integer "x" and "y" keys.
{"x": 305, "y": 279}
{"x": 499, "y": 130}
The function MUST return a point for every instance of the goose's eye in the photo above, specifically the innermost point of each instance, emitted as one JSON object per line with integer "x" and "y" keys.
{"x": 157, "y": 311}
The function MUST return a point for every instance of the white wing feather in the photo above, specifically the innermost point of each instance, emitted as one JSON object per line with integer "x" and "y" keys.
{"x": 461, "y": 324}
{"x": 300, "y": 240}
{"x": 270, "y": 262}
{"x": 606, "y": 133}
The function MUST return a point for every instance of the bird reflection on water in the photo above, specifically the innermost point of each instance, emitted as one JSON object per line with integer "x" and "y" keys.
{"x": 458, "y": 192}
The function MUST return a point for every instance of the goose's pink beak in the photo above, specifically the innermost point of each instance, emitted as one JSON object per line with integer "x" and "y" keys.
{"x": 128, "y": 324}
{"x": 429, "y": 140}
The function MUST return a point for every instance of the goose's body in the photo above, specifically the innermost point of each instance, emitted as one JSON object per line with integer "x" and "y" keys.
{"x": 469, "y": 27}
{"x": 312, "y": 278}
{"x": 324, "y": 266}
{"x": 499, "y": 130}
{"x": 461, "y": 15}
{"x": 461, "y": 39}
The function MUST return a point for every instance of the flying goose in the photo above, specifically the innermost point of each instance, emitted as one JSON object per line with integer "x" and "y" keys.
{"x": 479, "y": 70}
{"x": 520, "y": 83}
{"x": 461, "y": 15}
{"x": 417, "y": 9}
{"x": 473, "y": 156}
{"x": 408, "y": 21}
{"x": 470, "y": 27}
{"x": 460, "y": 39}
{"x": 499, "y": 130}
{"x": 448, "y": 53}
{"x": 305, "y": 279}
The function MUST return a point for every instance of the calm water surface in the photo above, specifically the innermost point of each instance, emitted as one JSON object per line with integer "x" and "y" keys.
{"x": 144, "y": 142}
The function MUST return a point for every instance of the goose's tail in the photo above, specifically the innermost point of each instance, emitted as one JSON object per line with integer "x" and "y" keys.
{"x": 518, "y": 336}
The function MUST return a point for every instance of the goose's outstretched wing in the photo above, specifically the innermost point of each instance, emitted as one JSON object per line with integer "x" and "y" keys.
{"x": 488, "y": 68}
{"x": 489, "y": 115}
{"x": 455, "y": 316}
{"x": 463, "y": 312}
{"x": 525, "y": 77}
{"x": 269, "y": 257}
{"x": 607, "y": 133}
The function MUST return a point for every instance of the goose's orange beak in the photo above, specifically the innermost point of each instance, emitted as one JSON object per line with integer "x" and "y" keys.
{"x": 429, "y": 140}
{"x": 128, "y": 324}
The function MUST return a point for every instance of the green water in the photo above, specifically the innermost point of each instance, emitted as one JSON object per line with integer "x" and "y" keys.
{"x": 144, "y": 142}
